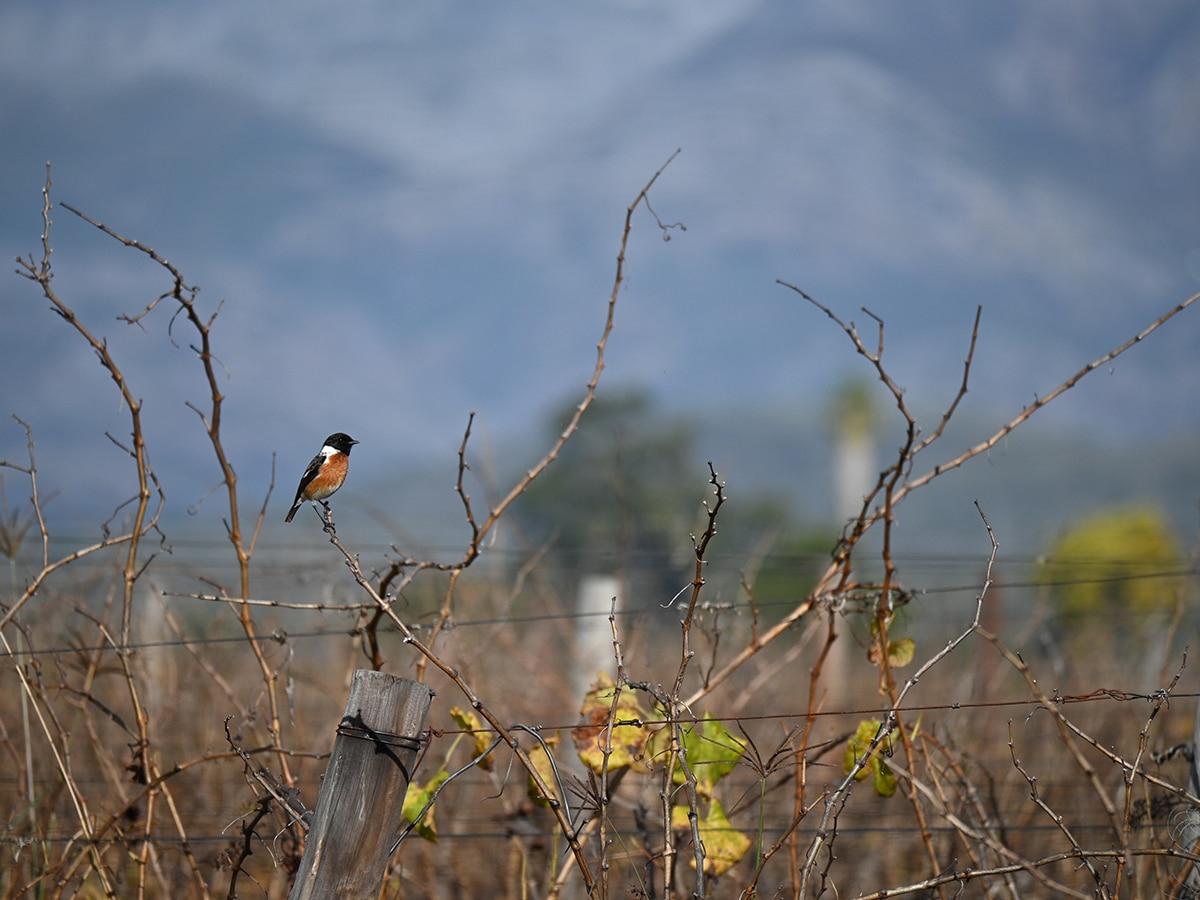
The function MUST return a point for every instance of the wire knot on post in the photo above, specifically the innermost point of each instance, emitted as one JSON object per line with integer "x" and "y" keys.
{"x": 349, "y": 728}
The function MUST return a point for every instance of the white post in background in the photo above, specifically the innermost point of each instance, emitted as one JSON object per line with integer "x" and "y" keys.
{"x": 593, "y": 650}
{"x": 853, "y": 472}
{"x": 852, "y": 421}
{"x": 852, "y": 415}
{"x": 150, "y": 630}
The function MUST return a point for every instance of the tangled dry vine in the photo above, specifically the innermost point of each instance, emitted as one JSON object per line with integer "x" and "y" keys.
{"x": 661, "y": 791}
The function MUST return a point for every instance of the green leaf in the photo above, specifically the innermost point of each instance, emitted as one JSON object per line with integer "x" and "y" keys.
{"x": 900, "y": 653}
{"x": 712, "y": 753}
{"x": 883, "y": 780}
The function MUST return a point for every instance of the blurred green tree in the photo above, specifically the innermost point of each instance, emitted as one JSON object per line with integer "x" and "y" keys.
{"x": 625, "y": 495}
{"x": 622, "y": 495}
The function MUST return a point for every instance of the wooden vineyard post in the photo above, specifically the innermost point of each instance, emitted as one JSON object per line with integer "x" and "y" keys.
{"x": 358, "y": 807}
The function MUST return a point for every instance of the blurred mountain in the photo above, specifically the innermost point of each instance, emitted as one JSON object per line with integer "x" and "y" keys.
{"x": 404, "y": 218}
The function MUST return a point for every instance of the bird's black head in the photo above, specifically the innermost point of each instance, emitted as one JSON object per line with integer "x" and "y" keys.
{"x": 340, "y": 442}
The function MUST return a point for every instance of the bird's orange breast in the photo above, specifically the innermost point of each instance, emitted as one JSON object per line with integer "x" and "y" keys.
{"x": 330, "y": 478}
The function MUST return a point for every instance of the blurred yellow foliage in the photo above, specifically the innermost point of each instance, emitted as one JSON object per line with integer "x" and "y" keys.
{"x": 1123, "y": 558}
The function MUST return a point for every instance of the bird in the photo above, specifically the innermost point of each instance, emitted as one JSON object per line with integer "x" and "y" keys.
{"x": 326, "y": 473}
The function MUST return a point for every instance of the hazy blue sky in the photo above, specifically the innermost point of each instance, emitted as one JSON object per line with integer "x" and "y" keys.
{"x": 412, "y": 211}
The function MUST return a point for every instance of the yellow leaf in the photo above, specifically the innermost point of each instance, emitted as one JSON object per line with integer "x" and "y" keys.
{"x": 415, "y": 799}
{"x": 679, "y": 818}
{"x": 857, "y": 746}
{"x": 724, "y": 845}
{"x": 628, "y": 736}
{"x": 541, "y": 762}
{"x": 482, "y": 737}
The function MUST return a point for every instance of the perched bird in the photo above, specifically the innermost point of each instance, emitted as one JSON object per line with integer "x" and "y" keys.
{"x": 326, "y": 473}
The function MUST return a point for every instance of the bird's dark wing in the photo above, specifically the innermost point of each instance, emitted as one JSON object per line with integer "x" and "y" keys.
{"x": 310, "y": 473}
{"x": 305, "y": 480}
